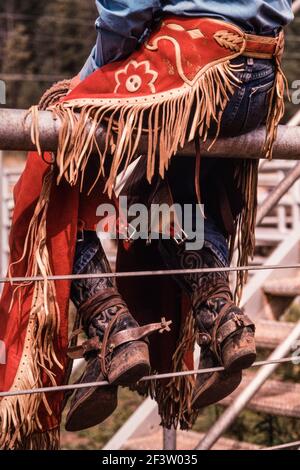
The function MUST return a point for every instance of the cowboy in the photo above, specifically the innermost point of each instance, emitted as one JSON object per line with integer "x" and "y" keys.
{"x": 122, "y": 30}
{"x": 172, "y": 72}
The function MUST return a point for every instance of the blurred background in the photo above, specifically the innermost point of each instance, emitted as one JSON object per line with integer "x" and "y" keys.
{"x": 45, "y": 41}
{"x": 42, "y": 42}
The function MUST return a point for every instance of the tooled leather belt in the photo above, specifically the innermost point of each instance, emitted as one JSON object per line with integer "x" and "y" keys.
{"x": 261, "y": 47}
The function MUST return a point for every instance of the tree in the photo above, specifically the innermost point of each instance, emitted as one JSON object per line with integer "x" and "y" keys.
{"x": 49, "y": 38}
{"x": 64, "y": 36}
{"x": 17, "y": 60}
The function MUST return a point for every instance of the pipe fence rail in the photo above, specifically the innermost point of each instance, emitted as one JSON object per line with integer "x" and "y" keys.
{"x": 15, "y": 134}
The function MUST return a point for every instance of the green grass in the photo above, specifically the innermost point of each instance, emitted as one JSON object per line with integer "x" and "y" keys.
{"x": 257, "y": 428}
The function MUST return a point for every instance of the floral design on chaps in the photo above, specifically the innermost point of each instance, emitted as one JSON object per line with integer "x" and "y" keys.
{"x": 136, "y": 77}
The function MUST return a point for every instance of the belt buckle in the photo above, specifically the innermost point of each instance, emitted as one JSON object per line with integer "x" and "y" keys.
{"x": 132, "y": 234}
{"x": 80, "y": 235}
{"x": 180, "y": 238}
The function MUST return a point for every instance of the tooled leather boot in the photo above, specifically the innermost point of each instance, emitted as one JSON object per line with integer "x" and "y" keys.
{"x": 226, "y": 337}
{"x": 212, "y": 387}
{"x": 116, "y": 350}
{"x": 225, "y": 333}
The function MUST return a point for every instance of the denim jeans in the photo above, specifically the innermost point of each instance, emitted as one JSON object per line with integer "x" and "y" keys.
{"x": 86, "y": 249}
{"x": 246, "y": 111}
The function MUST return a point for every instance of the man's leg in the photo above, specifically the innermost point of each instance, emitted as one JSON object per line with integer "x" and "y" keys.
{"x": 225, "y": 334}
{"x": 116, "y": 349}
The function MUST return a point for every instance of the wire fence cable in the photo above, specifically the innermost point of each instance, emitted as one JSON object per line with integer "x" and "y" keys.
{"x": 163, "y": 272}
{"x": 292, "y": 359}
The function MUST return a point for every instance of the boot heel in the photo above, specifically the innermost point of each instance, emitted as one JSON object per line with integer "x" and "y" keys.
{"x": 239, "y": 351}
{"x": 130, "y": 364}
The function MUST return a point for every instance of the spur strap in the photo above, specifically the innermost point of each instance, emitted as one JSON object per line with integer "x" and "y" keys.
{"x": 100, "y": 302}
{"x": 134, "y": 334}
{"x": 109, "y": 344}
{"x": 221, "y": 332}
{"x": 78, "y": 352}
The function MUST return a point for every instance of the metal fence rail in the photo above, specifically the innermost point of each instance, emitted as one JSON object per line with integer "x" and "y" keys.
{"x": 293, "y": 359}
{"x": 290, "y": 446}
{"x": 15, "y": 134}
{"x": 163, "y": 272}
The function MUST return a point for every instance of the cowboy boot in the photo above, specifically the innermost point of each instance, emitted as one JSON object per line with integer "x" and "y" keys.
{"x": 92, "y": 405}
{"x": 225, "y": 333}
{"x": 116, "y": 349}
{"x": 212, "y": 387}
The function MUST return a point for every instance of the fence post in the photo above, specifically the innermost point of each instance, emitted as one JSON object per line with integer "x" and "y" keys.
{"x": 170, "y": 439}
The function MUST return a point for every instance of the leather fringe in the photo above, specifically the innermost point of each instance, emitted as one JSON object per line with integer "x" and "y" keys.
{"x": 19, "y": 414}
{"x": 246, "y": 177}
{"x": 276, "y": 106}
{"x": 19, "y": 423}
{"x": 48, "y": 440}
{"x": 171, "y": 120}
{"x": 174, "y": 396}
{"x": 247, "y": 174}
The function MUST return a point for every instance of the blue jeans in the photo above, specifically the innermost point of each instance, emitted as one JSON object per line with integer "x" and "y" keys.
{"x": 246, "y": 111}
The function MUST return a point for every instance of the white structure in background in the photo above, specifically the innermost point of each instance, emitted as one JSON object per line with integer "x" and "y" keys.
{"x": 8, "y": 178}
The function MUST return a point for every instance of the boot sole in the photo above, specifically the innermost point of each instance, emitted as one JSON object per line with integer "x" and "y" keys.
{"x": 239, "y": 352}
{"x": 217, "y": 387}
{"x": 130, "y": 364}
{"x": 92, "y": 408}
